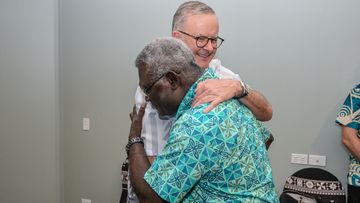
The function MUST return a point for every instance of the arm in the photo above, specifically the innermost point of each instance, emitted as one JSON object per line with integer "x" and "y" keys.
{"x": 351, "y": 140}
{"x": 138, "y": 161}
{"x": 258, "y": 105}
{"x": 217, "y": 91}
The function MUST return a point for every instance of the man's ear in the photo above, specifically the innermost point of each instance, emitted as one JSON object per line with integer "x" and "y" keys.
{"x": 174, "y": 79}
{"x": 175, "y": 34}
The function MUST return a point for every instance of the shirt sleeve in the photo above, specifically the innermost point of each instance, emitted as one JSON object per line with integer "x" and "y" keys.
{"x": 264, "y": 132}
{"x": 349, "y": 114}
{"x": 223, "y": 72}
{"x": 182, "y": 163}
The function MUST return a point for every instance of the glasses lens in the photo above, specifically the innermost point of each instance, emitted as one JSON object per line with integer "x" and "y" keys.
{"x": 201, "y": 41}
{"x": 147, "y": 90}
{"x": 219, "y": 41}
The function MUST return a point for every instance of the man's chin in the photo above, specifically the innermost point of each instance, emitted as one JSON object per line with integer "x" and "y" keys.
{"x": 203, "y": 62}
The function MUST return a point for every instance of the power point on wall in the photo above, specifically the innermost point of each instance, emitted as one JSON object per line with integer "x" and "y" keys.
{"x": 299, "y": 158}
{"x": 85, "y": 201}
{"x": 317, "y": 160}
{"x": 86, "y": 124}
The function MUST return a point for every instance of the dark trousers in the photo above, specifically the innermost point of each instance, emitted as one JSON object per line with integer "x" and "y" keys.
{"x": 353, "y": 194}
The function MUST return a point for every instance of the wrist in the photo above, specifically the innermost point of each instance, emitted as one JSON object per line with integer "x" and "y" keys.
{"x": 244, "y": 90}
{"x": 132, "y": 141}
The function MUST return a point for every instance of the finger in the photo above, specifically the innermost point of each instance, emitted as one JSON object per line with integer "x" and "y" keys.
{"x": 194, "y": 102}
{"x": 203, "y": 100}
{"x": 200, "y": 96}
{"x": 144, "y": 103}
{"x": 200, "y": 87}
{"x": 142, "y": 110}
{"x": 134, "y": 112}
{"x": 211, "y": 106}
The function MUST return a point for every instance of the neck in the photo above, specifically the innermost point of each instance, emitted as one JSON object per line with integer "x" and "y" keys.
{"x": 192, "y": 78}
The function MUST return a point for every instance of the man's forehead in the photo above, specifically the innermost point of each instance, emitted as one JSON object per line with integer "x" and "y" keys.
{"x": 191, "y": 18}
{"x": 143, "y": 74}
{"x": 201, "y": 23}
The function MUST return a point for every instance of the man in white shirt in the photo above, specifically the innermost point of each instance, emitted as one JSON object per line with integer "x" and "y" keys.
{"x": 196, "y": 24}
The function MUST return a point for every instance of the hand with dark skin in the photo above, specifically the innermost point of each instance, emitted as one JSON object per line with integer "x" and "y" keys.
{"x": 138, "y": 161}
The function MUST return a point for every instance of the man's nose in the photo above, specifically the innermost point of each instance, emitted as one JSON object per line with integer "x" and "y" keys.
{"x": 209, "y": 46}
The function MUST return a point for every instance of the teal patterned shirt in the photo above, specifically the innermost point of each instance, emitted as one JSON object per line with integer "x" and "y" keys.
{"x": 349, "y": 115}
{"x": 214, "y": 157}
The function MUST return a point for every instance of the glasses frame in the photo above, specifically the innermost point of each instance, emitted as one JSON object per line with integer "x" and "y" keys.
{"x": 207, "y": 40}
{"x": 147, "y": 90}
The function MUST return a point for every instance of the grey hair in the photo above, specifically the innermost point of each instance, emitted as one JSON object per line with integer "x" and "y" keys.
{"x": 167, "y": 54}
{"x": 189, "y": 8}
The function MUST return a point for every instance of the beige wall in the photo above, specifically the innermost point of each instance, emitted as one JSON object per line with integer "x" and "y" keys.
{"x": 30, "y": 155}
{"x": 303, "y": 55}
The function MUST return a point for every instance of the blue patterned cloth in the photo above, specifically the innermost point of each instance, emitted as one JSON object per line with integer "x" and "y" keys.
{"x": 349, "y": 115}
{"x": 214, "y": 157}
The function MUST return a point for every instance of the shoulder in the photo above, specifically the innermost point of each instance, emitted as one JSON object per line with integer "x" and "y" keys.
{"x": 355, "y": 96}
{"x": 196, "y": 117}
{"x": 221, "y": 71}
{"x": 192, "y": 116}
{"x": 356, "y": 90}
{"x": 215, "y": 63}
{"x": 194, "y": 120}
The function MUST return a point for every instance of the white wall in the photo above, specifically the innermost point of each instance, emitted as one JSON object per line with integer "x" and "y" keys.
{"x": 30, "y": 168}
{"x": 303, "y": 55}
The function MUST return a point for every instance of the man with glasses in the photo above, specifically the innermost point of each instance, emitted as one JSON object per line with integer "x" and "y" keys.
{"x": 196, "y": 24}
{"x": 209, "y": 157}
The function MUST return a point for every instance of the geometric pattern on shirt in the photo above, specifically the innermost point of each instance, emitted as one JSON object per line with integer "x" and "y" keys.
{"x": 214, "y": 157}
{"x": 156, "y": 130}
{"x": 349, "y": 115}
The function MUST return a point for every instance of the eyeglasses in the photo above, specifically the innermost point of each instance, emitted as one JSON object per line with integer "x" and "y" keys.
{"x": 202, "y": 41}
{"x": 148, "y": 89}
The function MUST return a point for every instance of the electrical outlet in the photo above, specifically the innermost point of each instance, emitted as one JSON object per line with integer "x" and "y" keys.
{"x": 317, "y": 160}
{"x": 299, "y": 158}
{"x": 85, "y": 201}
{"x": 86, "y": 124}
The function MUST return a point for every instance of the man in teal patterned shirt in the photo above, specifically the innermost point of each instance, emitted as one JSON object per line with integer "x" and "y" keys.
{"x": 215, "y": 157}
{"x": 349, "y": 119}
